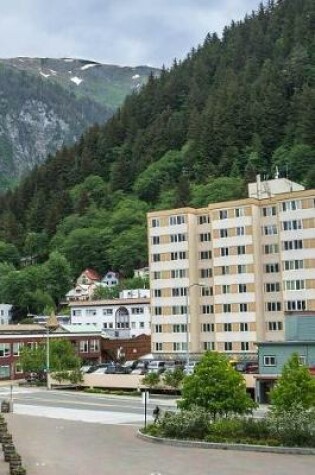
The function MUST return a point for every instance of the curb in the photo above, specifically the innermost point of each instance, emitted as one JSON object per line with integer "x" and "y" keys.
{"x": 226, "y": 446}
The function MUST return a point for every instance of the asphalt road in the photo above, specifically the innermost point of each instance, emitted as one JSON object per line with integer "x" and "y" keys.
{"x": 68, "y": 433}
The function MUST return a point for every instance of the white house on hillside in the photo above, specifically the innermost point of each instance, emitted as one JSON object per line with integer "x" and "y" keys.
{"x": 5, "y": 313}
{"x": 118, "y": 318}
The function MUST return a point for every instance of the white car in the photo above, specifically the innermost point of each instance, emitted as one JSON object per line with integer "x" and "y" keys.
{"x": 189, "y": 369}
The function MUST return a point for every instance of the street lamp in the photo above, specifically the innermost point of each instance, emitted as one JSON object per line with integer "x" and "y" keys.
{"x": 51, "y": 324}
{"x": 187, "y": 319}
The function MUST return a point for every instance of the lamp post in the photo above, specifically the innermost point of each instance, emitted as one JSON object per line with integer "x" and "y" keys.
{"x": 187, "y": 320}
{"x": 51, "y": 324}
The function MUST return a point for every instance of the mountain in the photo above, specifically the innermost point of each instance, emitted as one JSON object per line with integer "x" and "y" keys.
{"x": 46, "y": 103}
{"x": 236, "y": 106}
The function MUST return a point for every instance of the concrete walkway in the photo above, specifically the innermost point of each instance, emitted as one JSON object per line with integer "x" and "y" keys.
{"x": 54, "y": 447}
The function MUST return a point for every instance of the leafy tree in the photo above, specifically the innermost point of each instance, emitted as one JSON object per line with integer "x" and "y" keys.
{"x": 173, "y": 378}
{"x": 216, "y": 387}
{"x": 151, "y": 380}
{"x": 62, "y": 357}
{"x": 9, "y": 253}
{"x": 219, "y": 189}
{"x": 104, "y": 292}
{"x": 58, "y": 276}
{"x": 295, "y": 387}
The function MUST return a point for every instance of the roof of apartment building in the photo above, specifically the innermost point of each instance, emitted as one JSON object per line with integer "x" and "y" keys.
{"x": 112, "y": 302}
{"x": 22, "y": 328}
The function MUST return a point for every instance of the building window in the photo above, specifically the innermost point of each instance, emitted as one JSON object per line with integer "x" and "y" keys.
{"x": 5, "y": 372}
{"x": 242, "y": 288}
{"x": 292, "y": 225}
{"x": 270, "y": 230}
{"x": 179, "y": 292}
{"x": 157, "y": 310}
{"x": 17, "y": 348}
{"x": 180, "y": 219}
{"x": 273, "y": 306}
{"x": 243, "y": 307}
{"x": 226, "y": 289}
{"x": 156, "y": 293}
{"x": 228, "y": 346}
{"x": 107, "y": 311}
{"x": 178, "y": 273}
{"x": 179, "y": 310}
{"x": 291, "y": 205}
{"x": 241, "y": 250}
{"x": 156, "y": 240}
{"x": 224, "y": 251}
{"x": 157, "y": 275}
{"x": 84, "y": 346}
{"x": 178, "y": 237}
{"x": 275, "y": 326}
{"x": 158, "y": 346}
{"x": 271, "y": 249}
{"x": 225, "y": 270}
{"x": 155, "y": 223}
{"x": 240, "y": 231}
{"x": 180, "y": 328}
{"x": 94, "y": 346}
{"x": 241, "y": 269}
{"x": 141, "y": 324}
{"x": 138, "y": 310}
{"x": 272, "y": 287}
{"x": 158, "y": 328}
{"x": 205, "y": 237}
{"x": 294, "y": 284}
{"x": 205, "y": 273}
{"x": 76, "y": 313}
{"x": 227, "y": 308}
{"x": 227, "y": 327}
{"x": 223, "y": 233}
{"x": 205, "y": 255}
{"x": 206, "y": 291}
{"x": 5, "y": 350}
{"x": 179, "y": 346}
{"x": 203, "y": 219}
{"x": 223, "y": 214}
{"x": 178, "y": 255}
{"x": 156, "y": 257}
{"x": 293, "y": 265}
{"x": 207, "y": 327}
{"x": 292, "y": 245}
{"x": 208, "y": 345}
{"x": 207, "y": 309}
{"x": 272, "y": 268}
{"x": 239, "y": 212}
{"x": 244, "y": 327}
{"x": 244, "y": 346}
{"x": 293, "y": 305}
{"x": 90, "y": 312}
{"x": 270, "y": 361}
{"x": 269, "y": 211}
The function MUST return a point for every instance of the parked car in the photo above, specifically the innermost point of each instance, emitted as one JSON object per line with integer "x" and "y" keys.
{"x": 157, "y": 366}
{"x": 129, "y": 366}
{"x": 141, "y": 368}
{"x": 189, "y": 369}
{"x": 171, "y": 366}
{"x": 249, "y": 367}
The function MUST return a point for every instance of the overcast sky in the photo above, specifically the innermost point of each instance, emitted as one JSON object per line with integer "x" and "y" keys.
{"x": 125, "y": 32}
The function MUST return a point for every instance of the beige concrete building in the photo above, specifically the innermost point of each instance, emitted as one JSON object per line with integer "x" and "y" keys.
{"x": 232, "y": 269}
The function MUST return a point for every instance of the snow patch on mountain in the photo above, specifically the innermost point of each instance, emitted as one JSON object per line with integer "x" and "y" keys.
{"x": 44, "y": 75}
{"x": 76, "y": 80}
{"x": 88, "y": 66}
{"x": 136, "y": 76}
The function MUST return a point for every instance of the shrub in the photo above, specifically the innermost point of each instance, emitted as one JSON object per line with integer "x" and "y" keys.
{"x": 294, "y": 428}
{"x": 191, "y": 424}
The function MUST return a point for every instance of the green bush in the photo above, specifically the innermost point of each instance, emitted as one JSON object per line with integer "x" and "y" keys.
{"x": 295, "y": 428}
{"x": 185, "y": 424}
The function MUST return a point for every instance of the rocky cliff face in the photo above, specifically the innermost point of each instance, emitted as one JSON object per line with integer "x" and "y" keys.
{"x": 47, "y": 103}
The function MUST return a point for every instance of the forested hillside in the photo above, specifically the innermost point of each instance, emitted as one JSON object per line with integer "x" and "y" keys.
{"x": 236, "y": 106}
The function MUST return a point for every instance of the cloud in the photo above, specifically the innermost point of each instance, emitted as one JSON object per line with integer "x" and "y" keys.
{"x": 127, "y": 32}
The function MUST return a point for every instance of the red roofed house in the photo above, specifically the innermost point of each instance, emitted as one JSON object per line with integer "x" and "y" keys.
{"x": 88, "y": 277}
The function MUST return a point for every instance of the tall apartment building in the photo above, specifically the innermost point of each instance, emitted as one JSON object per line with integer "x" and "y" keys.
{"x": 232, "y": 269}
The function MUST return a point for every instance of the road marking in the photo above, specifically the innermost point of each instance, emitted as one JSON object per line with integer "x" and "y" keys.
{"x": 81, "y": 415}
{"x": 78, "y": 403}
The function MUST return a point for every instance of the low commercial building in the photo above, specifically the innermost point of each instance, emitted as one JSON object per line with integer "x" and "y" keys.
{"x": 272, "y": 356}
{"x": 86, "y": 341}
